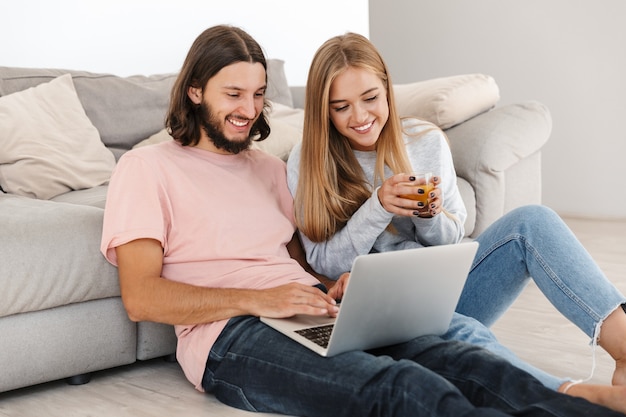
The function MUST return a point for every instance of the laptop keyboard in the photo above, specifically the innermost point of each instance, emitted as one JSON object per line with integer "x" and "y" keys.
{"x": 319, "y": 335}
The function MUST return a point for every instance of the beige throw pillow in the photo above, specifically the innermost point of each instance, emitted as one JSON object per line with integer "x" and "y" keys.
{"x": 48, "y": 145}
{"x": 447, "y": 101}
{"x": 281, "y": 140}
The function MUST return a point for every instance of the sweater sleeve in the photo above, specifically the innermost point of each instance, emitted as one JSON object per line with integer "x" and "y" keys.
{"x": 335, "y": 256}
{"x": 432, "y": 153}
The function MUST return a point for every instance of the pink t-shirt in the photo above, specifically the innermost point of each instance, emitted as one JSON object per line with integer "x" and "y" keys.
{"x": 223, "y": 221}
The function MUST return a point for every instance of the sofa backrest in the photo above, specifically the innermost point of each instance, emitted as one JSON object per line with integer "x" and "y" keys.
{"x": 125, "y": 110}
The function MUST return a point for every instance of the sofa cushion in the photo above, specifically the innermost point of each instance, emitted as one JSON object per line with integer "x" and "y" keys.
{"x": 51, "y": 252}
{"x": 292, "y": 116}
{"x": 447, "y": 101}
{"x": 281, "y": 140}
{"x": 95, "y": 197}
{"x": 49, "y": 146}
{"x": 469, "y": 199}
{"x": 277, "y": 85}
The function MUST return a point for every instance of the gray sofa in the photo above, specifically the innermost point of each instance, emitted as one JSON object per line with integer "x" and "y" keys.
{"x": 61, "y": 315}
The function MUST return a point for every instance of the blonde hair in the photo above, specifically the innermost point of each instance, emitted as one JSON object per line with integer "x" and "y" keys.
{"x": 331, "y": 184}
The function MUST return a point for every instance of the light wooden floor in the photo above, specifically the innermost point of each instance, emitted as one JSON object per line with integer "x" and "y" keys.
{"x": 532, "y": 328}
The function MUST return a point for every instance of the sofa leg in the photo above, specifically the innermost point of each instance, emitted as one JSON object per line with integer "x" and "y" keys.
{"x": 79, "y": 379}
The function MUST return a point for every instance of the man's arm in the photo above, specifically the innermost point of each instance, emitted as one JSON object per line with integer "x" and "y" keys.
{"x": 149, "y": 297}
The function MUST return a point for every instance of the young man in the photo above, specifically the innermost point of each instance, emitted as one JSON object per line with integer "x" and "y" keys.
{"x": 202, "y": 231}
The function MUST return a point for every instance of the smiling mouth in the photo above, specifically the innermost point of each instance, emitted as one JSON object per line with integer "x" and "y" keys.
{"x": 364, "y": 127}
{"x": 239, "y": 122}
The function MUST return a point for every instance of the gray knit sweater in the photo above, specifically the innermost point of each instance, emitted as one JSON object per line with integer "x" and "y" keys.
{"x": 366, "y": 231}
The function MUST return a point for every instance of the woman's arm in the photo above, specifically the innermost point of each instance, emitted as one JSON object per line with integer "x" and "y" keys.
{"x": 296, "y": 251}
{"x": 335, "y": 255}
{"x": 432, "y": 153}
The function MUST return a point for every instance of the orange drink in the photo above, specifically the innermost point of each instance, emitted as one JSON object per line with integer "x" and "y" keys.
{"x": 421, "y": 197}
{"x": 422, "y": 181}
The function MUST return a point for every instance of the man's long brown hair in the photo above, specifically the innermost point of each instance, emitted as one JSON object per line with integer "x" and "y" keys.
{"x": 215, "y": 48}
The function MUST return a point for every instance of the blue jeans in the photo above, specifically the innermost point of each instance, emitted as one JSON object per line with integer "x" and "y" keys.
{"x": 470, "y": 330}
{"x": 534, "y": 242}
{"x": 255, "y": 368}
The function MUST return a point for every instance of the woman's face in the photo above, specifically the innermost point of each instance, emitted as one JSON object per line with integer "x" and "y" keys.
{"x": 358, "y": 107}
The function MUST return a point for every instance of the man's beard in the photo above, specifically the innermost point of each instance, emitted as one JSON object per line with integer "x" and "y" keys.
{"x": 216, "y": 135}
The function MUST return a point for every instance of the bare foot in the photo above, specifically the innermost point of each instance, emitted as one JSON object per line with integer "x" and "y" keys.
{"x": 619, "y": 376}
{"x": 610, "y": 396}
{"x": 613, "y": 339}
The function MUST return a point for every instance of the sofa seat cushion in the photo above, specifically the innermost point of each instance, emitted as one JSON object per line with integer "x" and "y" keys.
{"x": 95, "y": 197}
{"x": 51, "y": 255}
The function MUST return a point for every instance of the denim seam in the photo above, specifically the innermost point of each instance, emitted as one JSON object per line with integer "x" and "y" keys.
{"x": 240, "y": 393}
{"x": 495, "y": 393}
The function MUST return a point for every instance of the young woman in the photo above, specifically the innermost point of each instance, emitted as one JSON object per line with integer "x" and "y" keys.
{"x": 350, "y": 177}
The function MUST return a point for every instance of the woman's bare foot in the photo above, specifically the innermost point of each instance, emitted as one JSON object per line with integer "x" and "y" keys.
{"x": 619, "y": 376}
{"x": 610, "y": 396}
{"x": 613, "y": 339}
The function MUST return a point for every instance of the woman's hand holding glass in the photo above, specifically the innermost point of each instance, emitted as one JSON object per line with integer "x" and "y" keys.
{"x": 411, "y": 195}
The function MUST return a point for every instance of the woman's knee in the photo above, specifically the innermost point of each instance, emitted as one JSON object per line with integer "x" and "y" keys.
{"x": 535, "y": 212}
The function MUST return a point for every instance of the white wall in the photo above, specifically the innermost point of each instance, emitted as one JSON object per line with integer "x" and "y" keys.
{"x": 126, "y": 37}
{"x": 568, "y": 54}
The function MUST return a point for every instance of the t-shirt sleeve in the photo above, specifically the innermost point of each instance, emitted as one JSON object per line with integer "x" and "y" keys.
{"x": 136, "y": 206}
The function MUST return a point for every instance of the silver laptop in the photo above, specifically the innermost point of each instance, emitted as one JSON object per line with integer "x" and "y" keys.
{"x": 391, "y": 297}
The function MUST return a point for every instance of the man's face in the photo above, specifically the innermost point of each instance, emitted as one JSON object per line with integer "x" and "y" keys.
{"x": 231, "y": 103}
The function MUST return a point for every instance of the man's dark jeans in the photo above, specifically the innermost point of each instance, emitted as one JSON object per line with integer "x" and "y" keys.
{"x": 255, "y": 368}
